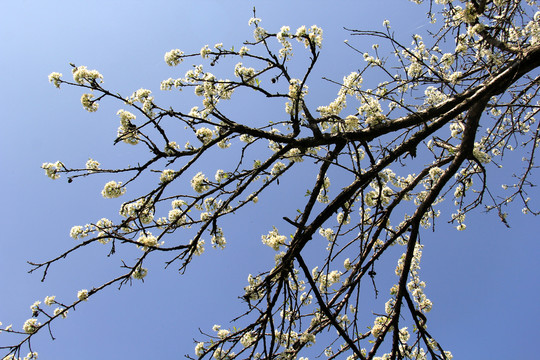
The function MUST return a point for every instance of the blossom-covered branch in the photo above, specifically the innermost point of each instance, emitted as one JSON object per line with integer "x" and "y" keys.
{"x": 452, "y": 106}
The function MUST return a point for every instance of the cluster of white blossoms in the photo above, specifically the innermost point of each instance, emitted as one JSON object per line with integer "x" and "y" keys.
{"x": 112, "y": 190}
{"x": 253, "y": 198}
{"x": 194, "y": 74}
{"x": 29, "y": 356}
{"x": 350, "y": 123}
{"x": 420, "y": 55}
{"x": 248, "y": 339}
{"x": 205, "y": 51}
{"x": 308, "y": 339}
{"x": 282, "y": 36}
{"x": 532, "y": 30}
{"x": 221, "y": 333}
{"x": 176, "y": 217}
{"x": 147, "y": 241}
{"x": 342, "y": 219}
{"x": 447, "y": 59}
{"x": 35, "y": 306}
{"x": 294, "y": 155}
{"x": 199, "y": 183}
{"x": 61, "y": 311}
{"x": 376, "y": 197}
{"x": 54, "y": 78}
{"x": 273, "y": 239}
{"x": 295, "y": 91}
{"x": 414, "y": 69}
{"x": 103, "y": 226}
{"x": 327, "y": 280}
{"x": 246, "y": 138}
{"x": 139, "y": 273}
{"x": 30, "y": 326}
{"x": 433, "y": 96}
{"x": 167, "y": 175}
{"x": 171, "y": 148}
{"x": 79, "y": 232}
{"x": 296, "y": 96}
{"x": 211, "y": 206}
{"x": 254, "y": 20}
{"x": 247, "y": 75}
{"x": 313, "y": 34}
{"x": 52, "y": 169}
{"x": 147, "y": 101}
{"x": 351, "y": 83}
{"x": 218, "y": 240}
{"x": 92, "y": 165}
{"x": 89, "y": 104}
{"x": 82, "y": 295}
{"x": 49, "y": 300}
{"x": 460, "y": 218}
{"x": 286, "y": 338}
{"x": 127, "y": 131}
{"x": 323, "y": 193}
{"x": 371, "y": 109}
{"x": 480, "y": 155}
{"x": 372, "y": 60}
{"x": 174, "y": 57}
{"x": 220, "y": 354}
{"x": 199, "y": 349}
{"x": 205, "y": 84}
{"x": 253, "y": 291}
{"x": 277, "y": 168}
{"x": 204, "y": 134}
{"x": 221, "y": 175}
{"x": 380, "y": 323}
{"x": 199, "y": 249}
{"x": 141, "y": 209}
{"x": 243, "y": 51}
{"x": 415, "y": 285}
{"x": 213, "y": 90}
{"x": 81, "y": 75}
{"x": 435, "y": 173}
{"x": 169, "y": 83}
{"x": 456, "y": 128}
{"x": 259, "y": 34}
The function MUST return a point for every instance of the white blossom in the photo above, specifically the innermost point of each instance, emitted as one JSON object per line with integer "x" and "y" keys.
{"x": 112, "y": 190}
{"x": 89, "y": 104}
{"x": 173, "y": 57}
{"x": 54, "y": 78}
{"x": 81, "y": 75}
{"x": 139, "y": 273}
{"x": 60, "y": 311}
{"x": 92, "y": 165}
{"x": 82, "y": 295}
{"x": 147, "y": 241}
{"x": 49, "y": 300}
{"x": 52, "y": 169}
{"x": 167, "y": 175}
{"x": 273, "y": 239}
{"x": 31, "y": 326}
{"x": 204, "y": 134}
{"x": 199, "y": 183}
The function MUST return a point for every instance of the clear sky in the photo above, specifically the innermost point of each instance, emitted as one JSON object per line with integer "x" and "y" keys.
{"x": 483, "y": 281}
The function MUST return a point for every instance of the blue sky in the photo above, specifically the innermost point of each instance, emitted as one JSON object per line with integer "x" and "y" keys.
{"x": 483, "y": 281}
